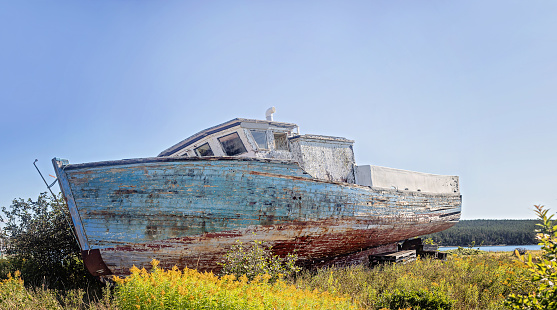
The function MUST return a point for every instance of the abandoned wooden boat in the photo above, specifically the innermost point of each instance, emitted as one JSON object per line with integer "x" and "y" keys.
{"x": 243, "y": 180}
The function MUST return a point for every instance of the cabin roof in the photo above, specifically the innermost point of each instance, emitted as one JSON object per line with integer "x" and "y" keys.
{"x": 226, "y": 125}
{"x": 323, "y": 138}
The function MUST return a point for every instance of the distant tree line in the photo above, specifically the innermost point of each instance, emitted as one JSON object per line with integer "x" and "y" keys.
{"x": 488, "y": 232}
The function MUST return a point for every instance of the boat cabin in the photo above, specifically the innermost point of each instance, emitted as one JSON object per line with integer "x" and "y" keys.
{"x": 323, "y": 157}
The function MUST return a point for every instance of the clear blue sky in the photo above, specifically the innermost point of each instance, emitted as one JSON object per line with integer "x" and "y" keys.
{"x": 466, "y": 88}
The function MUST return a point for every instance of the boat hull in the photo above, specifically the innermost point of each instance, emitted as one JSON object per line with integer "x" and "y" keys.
{"x": 189, "y": 211}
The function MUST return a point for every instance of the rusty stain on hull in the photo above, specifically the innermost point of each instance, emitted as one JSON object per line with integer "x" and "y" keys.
{"x": 189, "y": 211}
{"x": 311, "y": 244}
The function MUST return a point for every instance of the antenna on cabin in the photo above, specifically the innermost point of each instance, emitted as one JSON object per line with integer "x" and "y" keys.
{"x": 269, "y": 113}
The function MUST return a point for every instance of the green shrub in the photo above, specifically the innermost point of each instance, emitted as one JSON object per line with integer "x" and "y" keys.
{"x": 543, "y": 272}
{"x": 429, "y": 241}
{"x": 256, "y": 259}
{"x": 40, "y": 244}
{"x": 6, "y": 268}
{"x": 417, "y": 300}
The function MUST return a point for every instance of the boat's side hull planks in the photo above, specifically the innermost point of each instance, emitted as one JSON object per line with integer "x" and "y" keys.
{"x": 188, "y": 212}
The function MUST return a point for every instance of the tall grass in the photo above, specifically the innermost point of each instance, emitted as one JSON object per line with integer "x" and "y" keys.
{"x": 14, "y": 295}
{"x": 465, "y": 282}
{"x": 462, "y": 282}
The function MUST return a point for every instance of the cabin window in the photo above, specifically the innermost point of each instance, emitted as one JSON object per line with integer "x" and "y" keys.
{"x": 204, "y": 150}
{"x": 281, "y": 141}
{"x": 232, "y": 145}
{"x": 260, "y": 138}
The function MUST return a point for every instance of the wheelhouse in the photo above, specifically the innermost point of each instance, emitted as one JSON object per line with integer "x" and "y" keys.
{"x": 323, "y": 157}
{"x": 239, "y": 137}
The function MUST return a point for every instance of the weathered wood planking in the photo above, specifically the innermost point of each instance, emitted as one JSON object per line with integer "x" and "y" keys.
{"x": 189, "y": 211}
{"x": 394, "y": 257}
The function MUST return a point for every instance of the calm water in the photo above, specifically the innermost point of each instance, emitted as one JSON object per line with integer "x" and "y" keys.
{"x": 496, "y": 248}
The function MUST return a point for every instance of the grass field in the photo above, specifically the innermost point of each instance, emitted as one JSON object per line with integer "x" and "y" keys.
{"x": 461, "y": 282}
